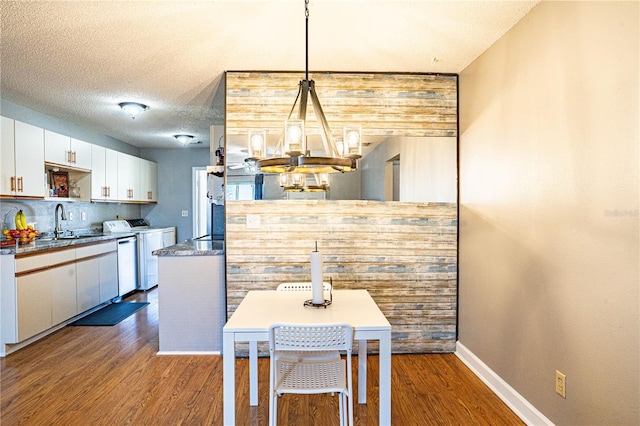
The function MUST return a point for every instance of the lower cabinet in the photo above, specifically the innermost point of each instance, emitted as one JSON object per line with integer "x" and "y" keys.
{"x": 53, "y": 287}
{"x": 63, "y": 295}
{"x": 34, "y": 304}
{"x": 108, "y": 276}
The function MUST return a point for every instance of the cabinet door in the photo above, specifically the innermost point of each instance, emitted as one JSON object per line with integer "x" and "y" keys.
{"x": 34, "y": 304}
{"x": 7, "y": 156}
{"x": 111, "y": 174}
{"x": 108, "y": 277}
{"x": 56, "y": 148}
{"x": 127, "y": 177}
{"x": 148, "y": 183}
{"x": 87, "y": 284}
{"x": 98, "y": 161}
{"x": 63, "y": 293}
{"x": 29, "y": 156}
{"x": 81, "y": 153}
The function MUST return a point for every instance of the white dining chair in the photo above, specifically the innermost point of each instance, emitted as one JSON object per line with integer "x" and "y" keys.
{"x": 301, "y": 287}
{"x": 305, "y": 376}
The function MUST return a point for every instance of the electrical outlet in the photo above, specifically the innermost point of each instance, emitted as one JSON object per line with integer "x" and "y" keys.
{"x": 185, "y": 213}
{"x": 70, "y": 215}
{"x": 561, "y": 384}
{"x": 83, "y": 216}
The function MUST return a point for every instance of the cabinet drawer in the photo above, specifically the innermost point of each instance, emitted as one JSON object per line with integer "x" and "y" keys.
{"x": 95, "y": 249}
{"x": 29, "y": 263}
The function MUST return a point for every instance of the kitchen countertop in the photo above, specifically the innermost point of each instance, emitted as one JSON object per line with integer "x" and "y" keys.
{"x": 193, "y": 247}
{"x": 42, "y": 245}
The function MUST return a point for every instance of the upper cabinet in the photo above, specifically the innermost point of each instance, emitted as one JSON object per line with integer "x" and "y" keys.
{"x": 66, "y": 151}
{"x": 128, "y": 177}
{"x": 22, "y": 149}
{"x": 148, "y": 183}
{"x": 104, "y": 174}
{"x": 29, "y": 153}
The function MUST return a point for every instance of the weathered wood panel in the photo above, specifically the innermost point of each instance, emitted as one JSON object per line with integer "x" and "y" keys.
{"x": 384, "y": 104}
{"x": 404, "y": 254}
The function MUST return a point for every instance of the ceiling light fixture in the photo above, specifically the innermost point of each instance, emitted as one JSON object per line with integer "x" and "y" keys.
{"x": 133, "y": 108}
{"x": 184, "y": 139}
{"x": 292, "y": 154}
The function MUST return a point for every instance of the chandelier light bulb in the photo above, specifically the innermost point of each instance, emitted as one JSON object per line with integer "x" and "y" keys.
{"x": 294, "y": 143}
{"x": 257, "y": 144}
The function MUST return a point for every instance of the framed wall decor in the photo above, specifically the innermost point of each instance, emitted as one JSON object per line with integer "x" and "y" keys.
{"x": 60, "y": 183}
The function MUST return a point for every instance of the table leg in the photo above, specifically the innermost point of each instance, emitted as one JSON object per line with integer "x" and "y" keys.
{"x": 385, "y": 378}
{"x": 253, "y": 373}
{"x": 362, "y": 371}
{"x": 229, "y": 379}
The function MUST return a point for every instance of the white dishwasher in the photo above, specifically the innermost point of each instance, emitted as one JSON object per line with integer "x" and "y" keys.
{"x": 127, "y": 265}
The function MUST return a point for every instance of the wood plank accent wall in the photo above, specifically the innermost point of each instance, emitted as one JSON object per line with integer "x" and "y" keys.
{"x": 404, "y": 254}
{"x": 384, "y": 104}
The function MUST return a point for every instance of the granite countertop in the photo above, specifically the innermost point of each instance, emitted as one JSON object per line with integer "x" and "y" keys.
{"x": 42, "y": 245}
{"x": 193, "y": 247}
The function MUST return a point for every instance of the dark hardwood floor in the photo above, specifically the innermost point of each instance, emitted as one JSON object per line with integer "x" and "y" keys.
{"x": 112, "y": 376}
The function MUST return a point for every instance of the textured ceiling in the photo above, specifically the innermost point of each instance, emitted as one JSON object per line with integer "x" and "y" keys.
{"x": 77, "y": 60}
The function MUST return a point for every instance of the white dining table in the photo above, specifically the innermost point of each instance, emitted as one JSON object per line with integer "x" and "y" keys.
{"x": 262, "y": 308}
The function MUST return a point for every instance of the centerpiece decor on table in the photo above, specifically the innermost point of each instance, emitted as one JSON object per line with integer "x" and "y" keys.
{"x": 317, "y": 290}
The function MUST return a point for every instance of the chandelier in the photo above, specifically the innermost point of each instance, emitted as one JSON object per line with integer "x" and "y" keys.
{"x": 291, "y": 155}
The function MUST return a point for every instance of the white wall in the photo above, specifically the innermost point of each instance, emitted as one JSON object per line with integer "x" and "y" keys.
{"x": 549, "y": 215}
{"x": 428, "y": 170}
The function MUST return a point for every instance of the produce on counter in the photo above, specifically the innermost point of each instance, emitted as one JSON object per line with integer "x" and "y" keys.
{"x": 23, "y": 233}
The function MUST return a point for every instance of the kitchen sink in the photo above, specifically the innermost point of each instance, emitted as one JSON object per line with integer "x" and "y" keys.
{"x": 77, "y": 237}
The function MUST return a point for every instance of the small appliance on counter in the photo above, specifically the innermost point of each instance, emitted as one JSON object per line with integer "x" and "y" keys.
{"x": 149, "y": 239}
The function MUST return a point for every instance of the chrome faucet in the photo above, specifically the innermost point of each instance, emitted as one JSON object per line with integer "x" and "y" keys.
{"x": 58, "y": 230}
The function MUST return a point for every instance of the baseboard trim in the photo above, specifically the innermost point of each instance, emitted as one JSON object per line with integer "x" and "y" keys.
{"x": 523, "y": 409}
{"x": 160, "y": 353}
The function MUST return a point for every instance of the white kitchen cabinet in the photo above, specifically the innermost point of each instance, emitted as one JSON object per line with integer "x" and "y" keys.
{"x": 22, "y": 151}
{"x": 42, "y": 291}
{"x": 63, "y": 293}
{"x": 34, "y": 304}
{"x": 96, "y": 272}
{"x": 66, "y": 151}
{"x": 128, "y": 178}
{"x": 104, "y": 174}
{"x": 108, "y": 277}
{"x": 148, "y": 180}
{"x": 41, "y": 282}
{"x": 88, "y": 284}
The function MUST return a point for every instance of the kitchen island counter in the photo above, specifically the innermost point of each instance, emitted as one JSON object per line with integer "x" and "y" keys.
{"x": 193, "y": 247}
{"x": 191, "y": 297}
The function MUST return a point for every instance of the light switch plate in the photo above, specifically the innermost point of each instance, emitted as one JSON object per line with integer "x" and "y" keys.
{"x": 253, "y": 221}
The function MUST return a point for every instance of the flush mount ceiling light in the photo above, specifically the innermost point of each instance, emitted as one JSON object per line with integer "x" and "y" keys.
{"x": 184, "y": 139}
{"x": 291, "y": 153}
{"x": 133, "y": 108}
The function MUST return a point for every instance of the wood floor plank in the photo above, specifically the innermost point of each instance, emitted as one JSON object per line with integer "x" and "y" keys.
{"x": 112, "y": 376}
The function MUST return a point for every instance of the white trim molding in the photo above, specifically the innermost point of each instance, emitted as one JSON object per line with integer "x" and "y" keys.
{"x": 523, "y": 409}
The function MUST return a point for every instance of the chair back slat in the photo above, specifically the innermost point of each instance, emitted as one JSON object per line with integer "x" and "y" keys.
{"x": 310, "y": 337}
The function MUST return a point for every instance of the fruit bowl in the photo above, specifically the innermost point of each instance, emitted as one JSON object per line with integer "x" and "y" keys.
{"x": 22, "y": 237}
